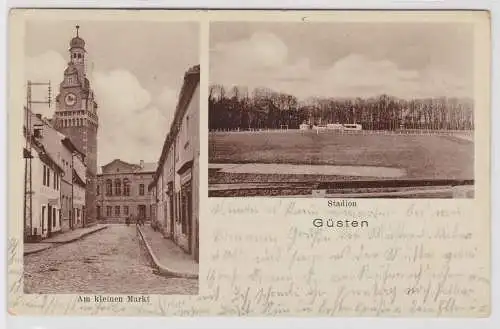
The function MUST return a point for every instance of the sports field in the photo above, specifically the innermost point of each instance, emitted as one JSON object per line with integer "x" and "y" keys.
{"x": 413, "y": 156}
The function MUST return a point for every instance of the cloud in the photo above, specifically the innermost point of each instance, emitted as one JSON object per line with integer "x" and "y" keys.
{"x": 263, "y": 60}
{"x": 131, "y": 127}
{"x": 121, "y": 89}
{"x": 137, "y": 137}
{"x": 262, "y": 50}
{"x": 358, "y": 76}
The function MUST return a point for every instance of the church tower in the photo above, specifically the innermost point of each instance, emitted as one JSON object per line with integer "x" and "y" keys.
{"x": 76, "y": 117}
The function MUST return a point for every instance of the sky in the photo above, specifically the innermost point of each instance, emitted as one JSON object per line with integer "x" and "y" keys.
{"x": 135, "y": 68}
{"x": 344, "y": 59}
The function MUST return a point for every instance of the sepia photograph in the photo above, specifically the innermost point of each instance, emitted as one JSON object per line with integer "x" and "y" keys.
{"x": 341, "y": 109}
{"x": 328, "y": 162}
{"x": 111, "y": 156}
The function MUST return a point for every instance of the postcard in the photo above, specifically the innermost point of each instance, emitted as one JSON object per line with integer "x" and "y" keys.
{"x": 249, "y": 163}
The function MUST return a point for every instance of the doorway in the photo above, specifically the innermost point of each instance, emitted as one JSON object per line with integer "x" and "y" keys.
{"x": 142, "y": 211}
{"x": 49, "y": 221}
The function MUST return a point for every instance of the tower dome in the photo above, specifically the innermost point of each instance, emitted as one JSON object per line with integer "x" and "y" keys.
{"x": 77, "y": 42}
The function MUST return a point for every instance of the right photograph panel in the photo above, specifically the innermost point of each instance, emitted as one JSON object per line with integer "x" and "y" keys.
{"x": 341, "y": 110}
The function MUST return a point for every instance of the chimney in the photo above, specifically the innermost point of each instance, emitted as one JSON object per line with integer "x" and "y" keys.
{"x": 142, "y": 163}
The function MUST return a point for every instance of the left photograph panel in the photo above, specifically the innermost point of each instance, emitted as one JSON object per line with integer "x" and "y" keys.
{"x": 111, "y": 156}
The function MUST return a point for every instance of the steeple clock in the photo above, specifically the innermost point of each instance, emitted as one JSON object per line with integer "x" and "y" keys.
{"x": 76, "y": 116}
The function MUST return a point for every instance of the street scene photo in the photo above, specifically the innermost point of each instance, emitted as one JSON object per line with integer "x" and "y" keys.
{"x": 341, "y": 109}
{"x": 111, "y": 156}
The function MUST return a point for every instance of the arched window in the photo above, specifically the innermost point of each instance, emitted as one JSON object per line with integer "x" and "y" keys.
{"x": 118, "y": 187}
{"x": 109, "y": 187}
{"x": 73, "y": 122}
{"x": 126, "y": 187}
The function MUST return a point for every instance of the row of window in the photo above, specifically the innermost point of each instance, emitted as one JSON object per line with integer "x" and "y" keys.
{"x": 109, "y": 211}
{"x": 53, "y": 217}
{"x": 70, "y": 113}
{"x": 118, "y": 188}
{"x": 77, "y": 55}
{"x": 46, "y": 178}
{"x": 72, "y": 122}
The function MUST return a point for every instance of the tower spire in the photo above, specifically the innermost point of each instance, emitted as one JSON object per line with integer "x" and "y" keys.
{"x": 77, "y": 27}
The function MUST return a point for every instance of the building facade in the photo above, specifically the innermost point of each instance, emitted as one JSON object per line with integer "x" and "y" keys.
{"x": 43, "y": 215}
{"x": 66, "y": 155}
{"x": 122, "y": 191}
{"x": 63, "y": 155}
{"x": 78, "y": 177}
{"x": 72, "y": 159}
{"x": 175, "y": 186}
{"x": 76, "y": 117}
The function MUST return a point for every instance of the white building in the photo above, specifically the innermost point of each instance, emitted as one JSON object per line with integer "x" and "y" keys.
{"x": 176, "y": 181}
{"x": 304, "y": 126}
{"x": 43, "y": 212}
{"x": 78, "y": 178}
{"x": 335, "y": 126}
{"x": 61, "y": 160}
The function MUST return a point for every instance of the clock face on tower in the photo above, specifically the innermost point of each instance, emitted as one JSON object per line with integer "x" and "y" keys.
{"x": 70, "y": 99}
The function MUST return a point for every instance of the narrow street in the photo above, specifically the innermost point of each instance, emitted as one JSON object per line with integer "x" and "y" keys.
{"x": 110, "y": 261}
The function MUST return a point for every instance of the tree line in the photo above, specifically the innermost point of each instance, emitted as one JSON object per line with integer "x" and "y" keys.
{"x": 263, "y": 108}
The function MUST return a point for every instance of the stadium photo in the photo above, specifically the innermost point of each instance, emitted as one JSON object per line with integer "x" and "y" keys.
{"x": 290, "y": 118}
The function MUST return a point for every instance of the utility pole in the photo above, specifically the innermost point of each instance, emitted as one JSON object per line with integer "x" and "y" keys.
{"x": 28, "y": 181}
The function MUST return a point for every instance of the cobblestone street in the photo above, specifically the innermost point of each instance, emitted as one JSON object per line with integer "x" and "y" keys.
{"x": 110, "y": 261}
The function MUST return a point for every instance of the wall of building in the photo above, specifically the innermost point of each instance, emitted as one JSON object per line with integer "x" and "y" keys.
{"x": 167, "y": 179}
{"x": 78, "y": 205}
{"x": 80, "y": 193}
{"x": 177, "y": 177}
{"x": 195, "y": 174}
{"x": 84, "y": 137}
{"x": 36, "y": 201}
{"x": 187, "y": 149}
{"x": 91, "y": 158}
{"x": 51, "y": 140}
{"x": 66, "y": 197}
{"x": 46, "y": 196}
{"x": 122, "y": 205}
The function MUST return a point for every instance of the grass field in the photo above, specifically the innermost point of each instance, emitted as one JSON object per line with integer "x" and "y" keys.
{"x": 421, "y": 156}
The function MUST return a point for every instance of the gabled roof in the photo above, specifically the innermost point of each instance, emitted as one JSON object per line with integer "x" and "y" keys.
{"x": 148, "y": 167}
{"x": 77, "y": 179}
{"x": 70, "y": 146}
{"x": 42, "y": 154}
{"x": 121, "y": 162}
